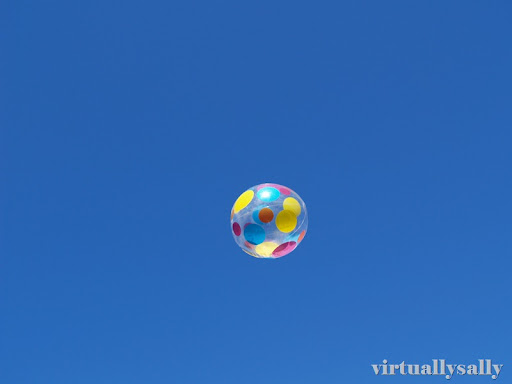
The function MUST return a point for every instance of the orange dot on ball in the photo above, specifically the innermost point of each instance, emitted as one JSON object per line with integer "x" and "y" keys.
{"x": 266, "y": 215}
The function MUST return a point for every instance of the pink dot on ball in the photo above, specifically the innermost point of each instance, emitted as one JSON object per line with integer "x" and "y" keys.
{"x": 284, "y": 191}
{"x": 284, "y": 249}
{"x": 236, "y": 229}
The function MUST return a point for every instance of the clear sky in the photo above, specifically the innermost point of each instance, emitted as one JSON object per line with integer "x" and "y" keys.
{"x": 129, "y": 128}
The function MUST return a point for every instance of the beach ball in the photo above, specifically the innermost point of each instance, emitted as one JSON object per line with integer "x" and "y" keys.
{"x": 269, "y": 221}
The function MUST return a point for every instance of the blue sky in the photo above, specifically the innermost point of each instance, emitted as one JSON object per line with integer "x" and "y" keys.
{"x": 128, "y": 129}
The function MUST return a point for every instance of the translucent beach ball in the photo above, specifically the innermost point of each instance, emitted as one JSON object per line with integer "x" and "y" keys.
{"x": 269, "y": 221}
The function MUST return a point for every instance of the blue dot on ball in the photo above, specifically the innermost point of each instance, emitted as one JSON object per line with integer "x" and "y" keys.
{"x": 256, "y": 215}
{"x": 268, "y": 194}
{"x": 254, "y": 234}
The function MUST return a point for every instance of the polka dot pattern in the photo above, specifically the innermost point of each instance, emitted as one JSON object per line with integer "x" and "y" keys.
{"x": 266, "y": 215}
{"x": 256, "y": 216}
{"x": 286, "y": 221}
{"x": 292, "y": 205}
{"x": 243, "y": 200}
{"x": 236, "y": 229}
{"x": 254, "y": 234}
{"x": 269, "y": 221}
{"x": 284, "y": 249}
{"x": 265, "y": 249}
{"x": 268, "y": 194}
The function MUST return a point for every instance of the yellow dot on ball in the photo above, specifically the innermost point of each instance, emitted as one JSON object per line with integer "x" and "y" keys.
{"x": 265, "y": 249}
{"x": 292, "y": 204}
{"x": 286, "y": 221}
{"x": 243, "y": 200}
